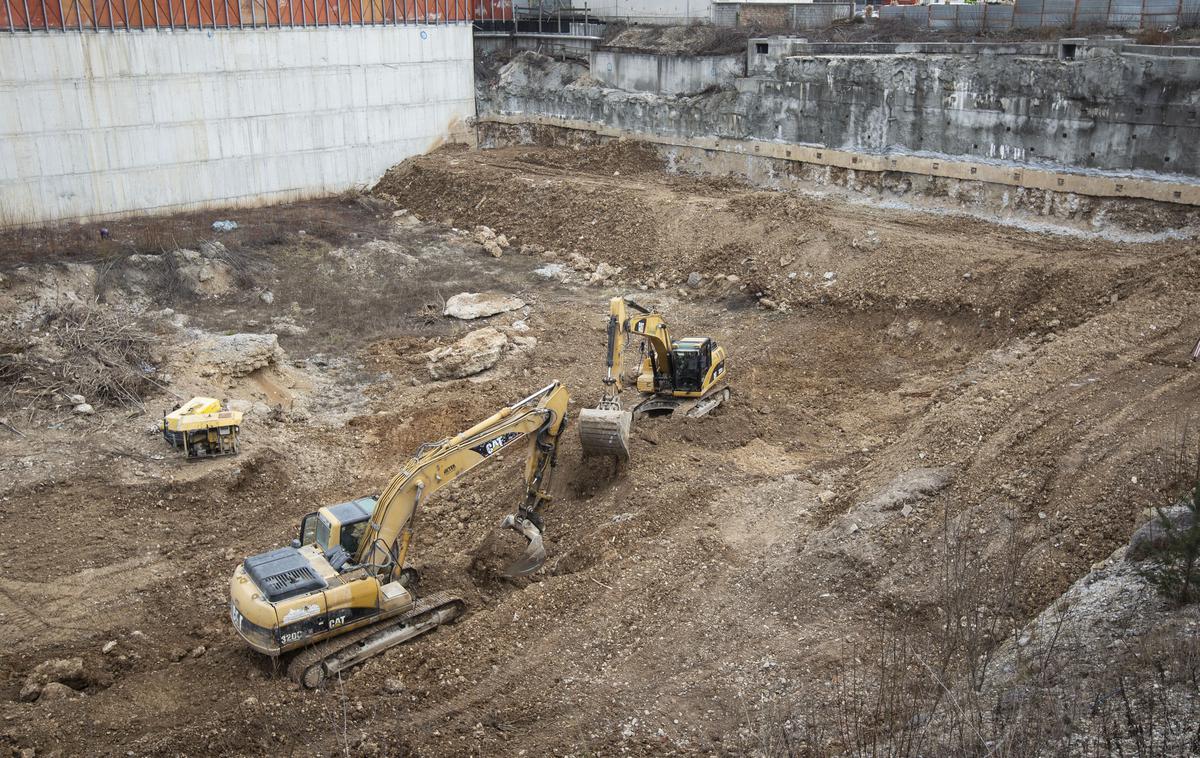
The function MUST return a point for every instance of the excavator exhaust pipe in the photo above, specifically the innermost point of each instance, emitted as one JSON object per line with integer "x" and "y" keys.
{"x": 605, "y": 431}
{"x": 535, "y": 554}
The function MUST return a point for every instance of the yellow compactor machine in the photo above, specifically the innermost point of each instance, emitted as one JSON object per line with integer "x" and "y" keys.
{"x": 687, "y": 375}
{"x": 340, "y": 593}
{"x": 201, "y": 429}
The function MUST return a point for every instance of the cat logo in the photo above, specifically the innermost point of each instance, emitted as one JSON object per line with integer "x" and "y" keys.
{"x": 493, "y": 445}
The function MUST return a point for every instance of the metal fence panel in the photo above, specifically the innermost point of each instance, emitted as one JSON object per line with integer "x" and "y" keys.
{"x": 820, "y": 15}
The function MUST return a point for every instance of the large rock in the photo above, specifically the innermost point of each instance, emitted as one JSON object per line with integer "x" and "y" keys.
{"x": 236, "y": 355}
{"x": 914, "y": 484}
{"x": 472, "y": 305}
{"x": 604, "y": 273}
{"x": 476, "y": 352}
{"x": 203, "y": 272}
{"x": 56, "y": 691}
{"x": 68, "y": 672}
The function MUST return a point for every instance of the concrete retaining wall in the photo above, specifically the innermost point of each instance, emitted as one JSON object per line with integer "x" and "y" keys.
{"x": 665, "y": 74}
{"x": 96, "y": 125}
{"x": 1117, "y": 113}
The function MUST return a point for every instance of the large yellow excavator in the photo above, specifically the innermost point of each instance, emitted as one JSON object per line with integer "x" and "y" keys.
{"x": 341, "y": 591}
{"x": 687, "y": 375}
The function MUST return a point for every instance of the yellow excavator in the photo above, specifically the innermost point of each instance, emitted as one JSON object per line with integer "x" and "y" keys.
{"x": 685, "y": 375}
{"x": 341, "y": 592}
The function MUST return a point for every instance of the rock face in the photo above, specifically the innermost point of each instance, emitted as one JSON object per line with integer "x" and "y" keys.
{"x": 236, "y": 355}
{"x": 472, "y": 305}
{"x": 476, "y": 352}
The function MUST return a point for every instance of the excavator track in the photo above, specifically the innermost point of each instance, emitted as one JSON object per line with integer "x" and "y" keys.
{"x": 312, "y": 665}
{"x": 665, "y": 404}
{"x": 706, "y": 404}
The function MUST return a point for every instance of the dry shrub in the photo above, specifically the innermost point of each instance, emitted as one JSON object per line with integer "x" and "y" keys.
{"x": 77, "y": 350}
{"x": 936, "y": 688}
{"x": 1154, "y": 37}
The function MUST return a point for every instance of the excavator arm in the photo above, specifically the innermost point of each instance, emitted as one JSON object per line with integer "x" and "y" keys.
{"x": 627, "y": 317}
{"x": 535, "y": 421}
{"x": 605, "y": 428}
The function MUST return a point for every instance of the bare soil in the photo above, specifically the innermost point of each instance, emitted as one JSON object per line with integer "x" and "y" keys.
{"x": 730, "y": 570}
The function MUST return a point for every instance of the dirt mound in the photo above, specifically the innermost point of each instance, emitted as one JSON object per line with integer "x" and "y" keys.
{"x": 616, "y": 157}
{"x": 777, "y": 249}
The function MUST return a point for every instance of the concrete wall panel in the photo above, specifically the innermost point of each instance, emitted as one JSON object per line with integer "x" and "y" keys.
{"x": 665, "y": 74}
{"x": 95, "y": 125}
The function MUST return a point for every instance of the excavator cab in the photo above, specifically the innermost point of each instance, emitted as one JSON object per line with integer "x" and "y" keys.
{"x": 337, "y": 526}
{"x": 690, "y": 361}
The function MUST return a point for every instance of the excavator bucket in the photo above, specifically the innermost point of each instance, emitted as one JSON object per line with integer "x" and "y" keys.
{"x": 535, "y": 554}
{"x": 605, "y": 431}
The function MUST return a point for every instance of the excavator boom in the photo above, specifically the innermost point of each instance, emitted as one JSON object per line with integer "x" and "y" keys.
{"x": 604, "y": 430}
{"x": 536, "y": 420}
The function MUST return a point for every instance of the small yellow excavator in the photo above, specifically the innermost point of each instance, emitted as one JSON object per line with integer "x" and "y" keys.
{"x": 685, "y": 375}
{"x": 341, "y": 591}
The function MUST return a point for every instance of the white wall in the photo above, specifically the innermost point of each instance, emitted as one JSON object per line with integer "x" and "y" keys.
{"x": 102, "y": 124}
{"x": 664, "y": 74}
{"x": 652, "y": 11}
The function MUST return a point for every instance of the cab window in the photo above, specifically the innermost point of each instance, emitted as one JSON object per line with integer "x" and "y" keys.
{"x": 308, "y": 529}
{"x": 323, "y": 529}
{"x": 351, "y": 535}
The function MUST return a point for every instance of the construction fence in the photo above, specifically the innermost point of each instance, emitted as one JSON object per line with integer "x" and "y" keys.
{"x": 1048, "y": 14}
{"x": 135, "y": 15}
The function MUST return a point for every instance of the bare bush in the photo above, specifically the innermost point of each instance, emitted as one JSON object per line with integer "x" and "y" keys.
{"x": 77, "y": 350}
